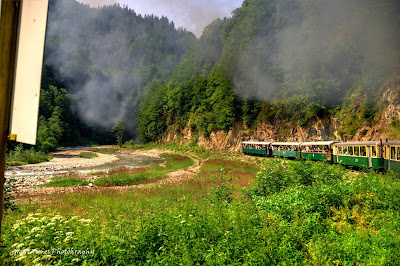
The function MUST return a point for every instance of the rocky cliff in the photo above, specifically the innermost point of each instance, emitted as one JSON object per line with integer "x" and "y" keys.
{"x": 385, "y": 125}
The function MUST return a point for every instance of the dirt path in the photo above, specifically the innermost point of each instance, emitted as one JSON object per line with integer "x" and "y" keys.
{"x": 173, "y": 177}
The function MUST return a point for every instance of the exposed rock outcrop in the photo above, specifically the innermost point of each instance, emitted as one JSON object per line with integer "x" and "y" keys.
{"x": 383, "y": 126}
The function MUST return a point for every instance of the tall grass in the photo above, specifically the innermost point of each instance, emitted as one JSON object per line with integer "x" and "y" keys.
{"x": 66, "y": 181}
{"x": 198, "y": 150}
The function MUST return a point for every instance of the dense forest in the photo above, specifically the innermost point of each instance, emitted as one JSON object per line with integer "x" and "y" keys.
{"x": 273, "y": 61}
{"x": 280, "y": 60}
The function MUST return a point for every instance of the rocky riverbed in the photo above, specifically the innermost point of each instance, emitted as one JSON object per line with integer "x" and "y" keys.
{"x": 68, "y": 161}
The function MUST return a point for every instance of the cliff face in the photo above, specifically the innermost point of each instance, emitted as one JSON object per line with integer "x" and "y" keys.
{"x": 318, "y": 129}
{"x": 385, "y": 125}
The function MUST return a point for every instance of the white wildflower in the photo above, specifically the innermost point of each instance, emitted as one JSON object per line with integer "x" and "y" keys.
{"x": 35, "y": 229}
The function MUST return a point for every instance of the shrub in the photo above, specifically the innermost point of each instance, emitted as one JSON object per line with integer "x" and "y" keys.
{"x": 19, "y": 156}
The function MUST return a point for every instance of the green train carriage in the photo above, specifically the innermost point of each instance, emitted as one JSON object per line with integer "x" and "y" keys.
{"x": 317, "y": 150}
{"x": 286, "y": 149}
{"x": 392, "y": 156}
{"x": 257, "y": 148}
{"x": 359, "y": 153}
{"x": 368, "y": 154}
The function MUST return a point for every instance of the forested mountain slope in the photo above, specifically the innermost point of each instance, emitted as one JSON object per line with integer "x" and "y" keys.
{"x": 298, "y": 69}
{"x": 104, "y": 58}
{"x": 282, "y": 65}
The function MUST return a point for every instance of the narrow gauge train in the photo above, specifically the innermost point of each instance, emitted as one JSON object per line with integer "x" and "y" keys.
{"x": 377, "y": 155}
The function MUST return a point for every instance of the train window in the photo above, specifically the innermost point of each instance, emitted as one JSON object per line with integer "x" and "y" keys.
{"x": 350, "y": 150}
{"x": 341, "y": 150}
{"x": 356, "y": 150}
{"x": 393, "y": 153}
{"x": 346, "y": 150}
{"x": 398, "y": 153}
{"x": 363, "y": 151}
{"x": 373, "y": 148}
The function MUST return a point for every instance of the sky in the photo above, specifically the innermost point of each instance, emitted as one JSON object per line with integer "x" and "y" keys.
{"x": 193, "y": 15}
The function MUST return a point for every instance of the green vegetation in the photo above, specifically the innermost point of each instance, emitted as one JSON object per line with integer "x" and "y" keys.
{"x": 19, "y": 156}
{"x": 66, "y": 181}
{"x": 118, "y": 131}
{"x": 289, "y": 212}
{"x": 173, "y": 162}
{"x": 127, "y": 179}
{"x": 356, "y": 113}
{"x": 88, "y": 155}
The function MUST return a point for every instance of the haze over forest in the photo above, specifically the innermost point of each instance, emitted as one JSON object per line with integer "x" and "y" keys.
{"x": 273, "y": 60}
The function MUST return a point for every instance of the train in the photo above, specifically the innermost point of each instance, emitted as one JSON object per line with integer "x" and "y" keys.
{"x": 377, "y": 155}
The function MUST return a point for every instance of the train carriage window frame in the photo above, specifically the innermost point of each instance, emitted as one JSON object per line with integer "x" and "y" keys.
{"x": 351, "y": 151}
{"x": 374, "y": 151}
{"x": 363, "y": 150}
{"x": 398, "y": 153}
{"x": 392, "y": 153}
{"x": 356, "y": 150}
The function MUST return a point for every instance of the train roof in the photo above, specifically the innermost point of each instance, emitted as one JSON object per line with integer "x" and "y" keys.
{"x": 256, "y": 143}
{"x": 322, "y": 143}
{"x": 391, "y": 143}
{"x": 286, "y": 143}
{"x": 357, "y": 143}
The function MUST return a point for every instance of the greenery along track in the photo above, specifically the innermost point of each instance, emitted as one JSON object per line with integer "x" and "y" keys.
{"x": 292, "y": 212}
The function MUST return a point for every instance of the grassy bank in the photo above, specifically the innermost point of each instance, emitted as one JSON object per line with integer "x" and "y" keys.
{"x": 88, "y": 155}
{"x": 19, "y": 156}
{"x": 232, "y": 212}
